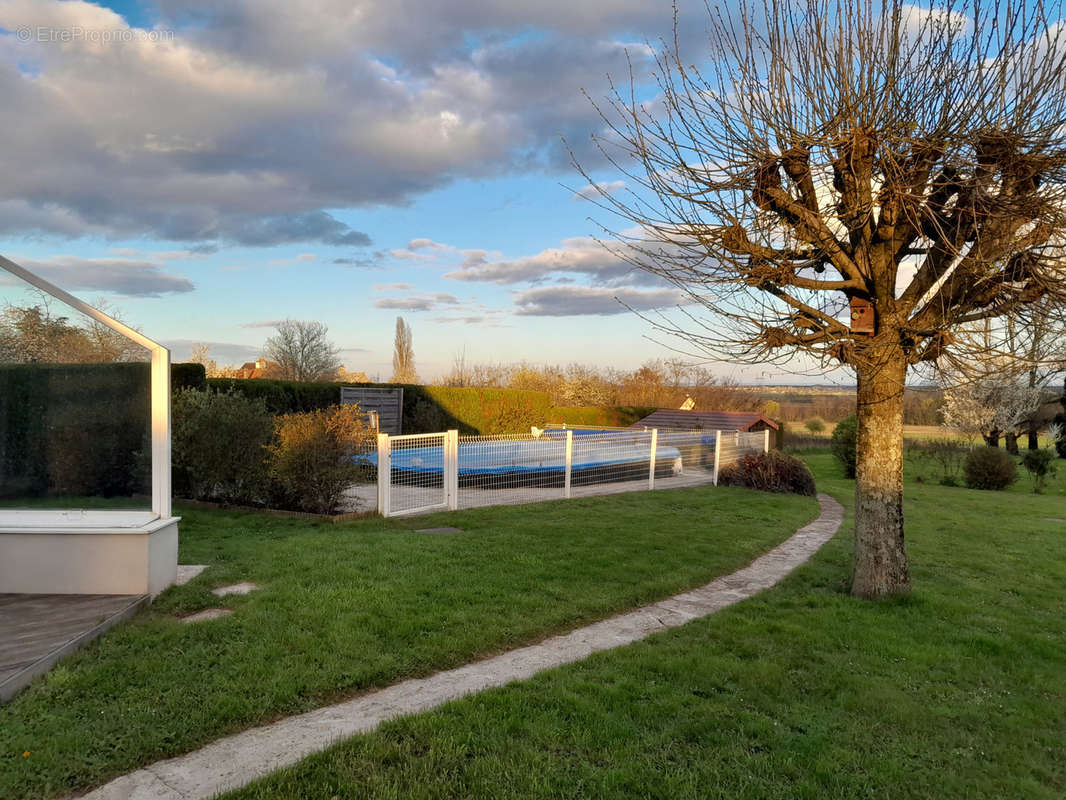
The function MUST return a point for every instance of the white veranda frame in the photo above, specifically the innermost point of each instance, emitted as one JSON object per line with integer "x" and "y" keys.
{"x": 159, "y": 399}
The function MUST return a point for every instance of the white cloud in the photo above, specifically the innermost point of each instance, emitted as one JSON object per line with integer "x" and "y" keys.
{"x": 418, "y": 302}
{"x": 250, "y": 124}
{"x": 568, "y": 301}
{"x": 123, "y": 276}
{"x": 597, "y": 190}
{"x": 577, "y": 255}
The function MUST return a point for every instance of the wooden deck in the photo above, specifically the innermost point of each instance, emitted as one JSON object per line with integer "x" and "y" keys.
{"x": 36, "y": 630}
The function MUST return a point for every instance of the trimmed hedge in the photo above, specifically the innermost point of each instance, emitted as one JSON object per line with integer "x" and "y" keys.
{"x": 426, "y": 409}
{"x": 598, "y": 416}
{"x": 187, "y": 376}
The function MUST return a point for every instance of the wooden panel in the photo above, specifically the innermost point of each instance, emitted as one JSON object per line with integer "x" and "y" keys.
{"x": 388, "y": 403}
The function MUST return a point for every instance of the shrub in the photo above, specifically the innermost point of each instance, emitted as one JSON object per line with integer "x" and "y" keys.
{"x": 312, "y": 459}
{"x": 843, "y": 444}
{"x": 772, "y": 471}
{"x": 1040, "y": 464}
{"x": 815, "y": 425}
{"x": 990, "y": 468}
{"x": 218, "y": 446}
{"x": 945, "y": 456}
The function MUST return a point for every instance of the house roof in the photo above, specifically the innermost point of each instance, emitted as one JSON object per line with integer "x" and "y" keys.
{"x": 671, "y": 419}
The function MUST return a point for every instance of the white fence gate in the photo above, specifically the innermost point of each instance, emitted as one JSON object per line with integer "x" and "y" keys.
{"x": 437, "y": 471}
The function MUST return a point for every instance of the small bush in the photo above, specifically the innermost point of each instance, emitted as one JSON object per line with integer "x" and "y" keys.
{"x": 843, "y": 444}
{"x": 769, "y": 472}
{"x": 218, "y": 446}
{"x": 944, "y": 456}
{"x": 815, "y": 425}
{"x": 313, "y": 457}
{"x": 990, "y": 468}
{"x": 1040, "y": 464}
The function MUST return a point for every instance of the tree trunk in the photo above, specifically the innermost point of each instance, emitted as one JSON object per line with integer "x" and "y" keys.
{"x": 1034, "y": 438}
{"x": 992, "y": 438}
{"x": 1011, "y": 439}
{"x": 880, "y": 560}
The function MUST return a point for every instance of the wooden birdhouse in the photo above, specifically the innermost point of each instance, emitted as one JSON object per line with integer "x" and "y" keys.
{"x": 863, "y": 319}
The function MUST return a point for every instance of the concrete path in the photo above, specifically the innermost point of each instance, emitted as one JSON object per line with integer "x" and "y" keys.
{"x": 239, "y": 759}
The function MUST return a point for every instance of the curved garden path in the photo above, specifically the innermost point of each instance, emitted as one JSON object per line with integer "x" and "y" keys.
{"x": 236, "y": 760}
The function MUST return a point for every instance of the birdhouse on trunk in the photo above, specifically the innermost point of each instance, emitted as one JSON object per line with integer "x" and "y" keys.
{"x": 862, "y": 316}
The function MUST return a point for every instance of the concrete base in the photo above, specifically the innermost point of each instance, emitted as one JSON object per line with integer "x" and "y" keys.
{"x": 95, "y": 559}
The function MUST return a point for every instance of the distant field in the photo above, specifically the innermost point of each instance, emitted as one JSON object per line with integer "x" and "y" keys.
{"x": 797, "y": 404}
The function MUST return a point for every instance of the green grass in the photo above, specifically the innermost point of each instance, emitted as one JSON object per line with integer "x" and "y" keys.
{"x": 956, "y": 691}
{"x": 344, "y": 608}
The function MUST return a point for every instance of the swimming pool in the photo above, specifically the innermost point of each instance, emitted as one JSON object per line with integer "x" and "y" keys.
{"x": 542, "y": 456}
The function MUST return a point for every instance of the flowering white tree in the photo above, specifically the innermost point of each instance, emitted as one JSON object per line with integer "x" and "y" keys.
{"x": 988, "y": 405}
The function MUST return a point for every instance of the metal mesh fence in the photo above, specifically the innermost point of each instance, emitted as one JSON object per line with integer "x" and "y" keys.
{"x": 736, "y": 444}
{"x": 509, "y": 469}
{"x": 444, "y": 470}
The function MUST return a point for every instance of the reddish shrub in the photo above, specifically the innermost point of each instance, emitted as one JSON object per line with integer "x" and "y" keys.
{"x": 769, "y": 472}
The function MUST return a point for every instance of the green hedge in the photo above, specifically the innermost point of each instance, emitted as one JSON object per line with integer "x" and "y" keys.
{"x": 282, "y": 397}
{"x": 426, "y": 409}
{"x": 187, "y": 376}
{"x": 598, "y": 416}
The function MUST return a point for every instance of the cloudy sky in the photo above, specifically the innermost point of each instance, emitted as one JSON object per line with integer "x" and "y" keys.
{"x": 208, "y": 172}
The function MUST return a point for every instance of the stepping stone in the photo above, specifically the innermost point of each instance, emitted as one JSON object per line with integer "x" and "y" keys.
{"x": 439, "y": 530}
{"x": 237, "y": 588}
{"x": 186, "y": 572}
{"x": 210, "y": 613}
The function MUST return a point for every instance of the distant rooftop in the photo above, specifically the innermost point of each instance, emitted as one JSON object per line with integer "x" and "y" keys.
{"x": 672, "y": 419}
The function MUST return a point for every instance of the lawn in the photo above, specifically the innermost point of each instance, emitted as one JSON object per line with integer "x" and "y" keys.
{"x": 956, "y": 691}
{"x": 344, "y": 608}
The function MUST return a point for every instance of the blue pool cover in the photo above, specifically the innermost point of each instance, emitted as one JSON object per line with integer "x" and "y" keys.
{"x": 544, "y": 456}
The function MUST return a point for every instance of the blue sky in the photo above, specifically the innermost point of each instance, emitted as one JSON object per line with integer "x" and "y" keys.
{"x": 207, "y": 173}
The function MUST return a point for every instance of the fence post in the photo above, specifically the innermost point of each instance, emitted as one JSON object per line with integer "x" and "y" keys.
{"x": 717, "y": 454}
{"x": 451, "y": 469}
{"x": 651, "y": 464}
{"x": 384, "y": 474}
{"x": 569, "y": 462}
{"x": 766, "y": 440}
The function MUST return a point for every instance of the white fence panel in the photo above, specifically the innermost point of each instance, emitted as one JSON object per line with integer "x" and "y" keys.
{"x": 511, "y": 469}
{"x": 737, "y": 444}
{"x": 411, "y": 473}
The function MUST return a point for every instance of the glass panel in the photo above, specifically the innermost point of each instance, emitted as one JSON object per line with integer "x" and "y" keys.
{"x": 75, "y": 425}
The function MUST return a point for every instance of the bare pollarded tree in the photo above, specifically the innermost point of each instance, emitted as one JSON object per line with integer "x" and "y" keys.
{"x": 850, "y": 182}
